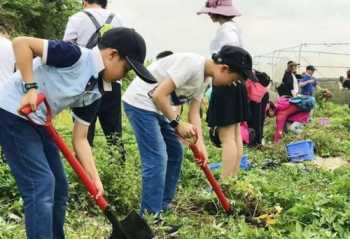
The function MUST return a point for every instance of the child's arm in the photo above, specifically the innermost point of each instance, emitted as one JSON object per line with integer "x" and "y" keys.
{"x": 304, "y": 83}
{"x": 25, "y": 49}
{"x": 83, "y": 116}
{"x": 84, "y": 154}
{"x": 195, "y": 119}
{"x": 52, "y": 52}
{"x": 161, "y": 98}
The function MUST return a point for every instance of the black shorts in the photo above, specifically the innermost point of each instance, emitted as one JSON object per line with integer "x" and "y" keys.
{"x": 228, "y": 105}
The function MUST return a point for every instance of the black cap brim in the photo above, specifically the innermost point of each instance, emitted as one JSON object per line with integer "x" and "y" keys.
{"x": 141, "y": 71}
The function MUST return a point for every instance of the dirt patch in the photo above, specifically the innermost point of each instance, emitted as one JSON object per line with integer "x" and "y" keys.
{"x": 330, "y": 163}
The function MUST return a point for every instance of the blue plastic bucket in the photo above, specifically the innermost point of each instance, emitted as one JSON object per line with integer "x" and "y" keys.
{"x": 244, "y": 164}
{"x": 301, "y": 151}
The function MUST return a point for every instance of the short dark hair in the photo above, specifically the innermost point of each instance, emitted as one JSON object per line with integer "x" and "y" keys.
{"x": 346, "y": 84}
{"x": 263, "y": 78}
{"x": 164, "y": 54}
{"x": 221, "y": 17}
{"x": 102, "y": 3}
{"x": 348, "y": 73}
{"x": 310, "y": 68}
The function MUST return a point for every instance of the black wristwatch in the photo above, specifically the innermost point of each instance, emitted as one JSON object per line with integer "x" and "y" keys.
{"x": 29, "y": 86}
{"x": 174, "y": 123}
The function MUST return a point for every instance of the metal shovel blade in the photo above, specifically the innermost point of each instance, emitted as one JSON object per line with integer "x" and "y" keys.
{"x": 132, "y": 227}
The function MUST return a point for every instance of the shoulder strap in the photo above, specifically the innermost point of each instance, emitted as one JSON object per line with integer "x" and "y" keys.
{"x": 110, "y": 19}
{"x": 93, "y": 41}
{"x": 93, "y": 19}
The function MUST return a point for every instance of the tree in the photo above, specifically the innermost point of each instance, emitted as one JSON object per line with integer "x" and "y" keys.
{"x": 39, "y": 18}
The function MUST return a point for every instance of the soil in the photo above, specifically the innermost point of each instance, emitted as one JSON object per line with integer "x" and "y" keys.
{"x": 330, "y": 163}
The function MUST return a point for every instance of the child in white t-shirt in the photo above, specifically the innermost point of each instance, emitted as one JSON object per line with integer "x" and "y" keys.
{"x": 7, "y": 56}
{"x": 181, "y": 78}
{"x": 80, "y": 29}
{"x": 7, "y": 59}
{"x": 228, "y": 106}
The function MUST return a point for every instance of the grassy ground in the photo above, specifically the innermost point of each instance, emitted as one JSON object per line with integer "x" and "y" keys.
{"x": 272, "y": 200}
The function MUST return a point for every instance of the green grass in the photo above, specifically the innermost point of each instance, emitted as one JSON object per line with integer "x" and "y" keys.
{"x": 287, "y": 201}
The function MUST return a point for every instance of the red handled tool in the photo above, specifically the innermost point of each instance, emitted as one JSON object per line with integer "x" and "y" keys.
{"x": 199, "y": 157}
{"x": 133, "y": 226}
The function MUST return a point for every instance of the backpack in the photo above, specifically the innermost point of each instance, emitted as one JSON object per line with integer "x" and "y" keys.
{"x": 100, "y": 30}
{"x": 256, "y": 91}
{"x": 305, "y": 103}
{"x": 282, "y": 103}
{"x": 245, "y": 133}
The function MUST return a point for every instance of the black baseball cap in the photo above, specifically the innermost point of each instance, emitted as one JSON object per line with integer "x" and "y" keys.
{"x": 310, "y": 68}
{"x": 238, "y": 60}
{"x": 292, "y": 63}
{"x": 130, "y": 46}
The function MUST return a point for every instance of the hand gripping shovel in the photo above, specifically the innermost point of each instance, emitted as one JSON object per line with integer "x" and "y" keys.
{"x": 133, "y": 226}
{"x": 199, "y": 157}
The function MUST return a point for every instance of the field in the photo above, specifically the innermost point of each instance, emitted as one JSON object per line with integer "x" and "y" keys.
{"x": 274, "y": 199}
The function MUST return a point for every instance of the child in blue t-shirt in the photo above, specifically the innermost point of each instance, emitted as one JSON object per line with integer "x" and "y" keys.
{"x": 70, "y": 77}
{"x": 308, "y": 83}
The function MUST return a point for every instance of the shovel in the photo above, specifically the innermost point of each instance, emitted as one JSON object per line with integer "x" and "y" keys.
{"x": 133, "y": 226}
{"x": 199, "y": 157}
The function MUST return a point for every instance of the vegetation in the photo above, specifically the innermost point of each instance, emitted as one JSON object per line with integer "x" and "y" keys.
{"x": 40, "y": 18}
{"x": 274, "y": 199}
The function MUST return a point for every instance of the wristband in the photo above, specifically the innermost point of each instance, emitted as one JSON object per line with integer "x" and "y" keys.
{"x": 29, "y": 86}
{"x": 174, "y": 123}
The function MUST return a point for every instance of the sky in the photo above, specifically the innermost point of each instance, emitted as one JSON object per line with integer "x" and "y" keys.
{"x": 266, "y": 24}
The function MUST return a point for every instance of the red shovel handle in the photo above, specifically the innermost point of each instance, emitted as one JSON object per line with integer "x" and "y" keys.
{"x": 215, "y": 185}
{"x": 72, "y": 160}
{"x": 26, "y": 110}
{"x": 199, "y": 156}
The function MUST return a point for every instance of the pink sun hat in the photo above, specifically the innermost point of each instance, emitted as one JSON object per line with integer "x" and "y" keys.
{"x": 220, "y": 7}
